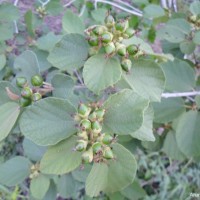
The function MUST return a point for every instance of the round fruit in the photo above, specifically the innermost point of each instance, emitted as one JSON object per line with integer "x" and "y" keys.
{"x": 96, "y": 147}
{"x": 130, "y": 32}
{"x": 21, "y": 81}
{"x": 121, "y": 49}
{"x": 106, "y": 37}
{"x": 83, "y": 135}
{"x": 132, "y": 49}
{"x": 110, "y": 48}
{"x": 36, "y": 96}
{"x": 24, "y": 102}
{"x": 81, "y": 145}
{"x": 83, "y": 110}
{"x": 122, "y": 25}
{"x": 93, "y": 41}
{"x": 109, "y": 21}
{"x": 100, "y": 113}
{"x": 99, "y": 30}
{"x": 107, "y": 153}
{"x": 87, "y": 156}
{"x": 85, "y": 124}
{"x": 37, "y": 80}
{"x": 27, "y": 93}
{"x": 126, "y": 65}
{"x": 96, "y": 127}
{"x": 107, "y": 139}
{"x": 92, "y": 117}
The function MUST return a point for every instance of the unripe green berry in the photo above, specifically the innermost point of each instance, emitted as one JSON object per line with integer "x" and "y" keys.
{"x": 122, "y": 25}
{"x": 109, "y": 21}
{"x": 83, "y": 135}
{"x": 85, "y": 124}
{"x": 26, "y": 93}
{"x": 83, "y": 110}
{"x": 99, "y": 30}
{"x": 87, "y": 156}
{"x": 100, "y": 114}
{"x": 121, "y": 49}
{"x": 107, "y": 139}
{"x": 96, "y": 127}
{"x": 21, "y": 81}
{"x": 81, "y": 145}
{"x": 130, "y": 32}
{"x": 107, "y": 153}
{"x": 92, "y": 117}
{"x": 37, "y": 80}
{"x": 24, "y": 102}
{"x": 132, "y": 49}
{"x": 110, "y": 48}
{"x": 36, "y": 96}
{"x": 93, "y": 41}
{"x": 96, "y": 147}
{"x": 106, "y": 37}
{"x": 126, "y": 65}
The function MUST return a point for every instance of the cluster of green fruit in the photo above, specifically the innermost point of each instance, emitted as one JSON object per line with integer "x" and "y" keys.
{"x": 195, "y": 20}
{"x": 95, "y": 145}
{"x": 28, "y": 94}
{"x": 41, "y": 10}
{"x": 110, "y": 37}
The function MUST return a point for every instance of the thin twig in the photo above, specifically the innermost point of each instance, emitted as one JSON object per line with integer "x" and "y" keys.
{"x": 164, "y": 3}
{"x": 128, "y": 5}
{"x": 82, "y": 10}
{"x": 69, "y": 3}
{"x": 15, "y": 22}
{"x": 175, "y": 5}
{"x": 78, "y": 77}
{"x": 120, "y": 7}
{"x": 181, "y": 94}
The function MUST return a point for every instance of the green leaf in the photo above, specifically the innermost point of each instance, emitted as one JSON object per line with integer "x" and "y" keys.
{"x": 196, "y": 38}
{"x": 124, "y": 112}
{"x": 168, "y": 109}
{"x": 48, "y": 121}
{"x": 113, "y": 176}
{"x": 180, "y": 77}
{"x": 6, "y": 31}
{"x": 72, "y": 23}
{"x": 63, "y": 86}
{"x": 4, "y": 96}
{"x": 153, "y": 11}
{"x": 195, "y": 8}
{"x": 8, "y": 12}
{"x": 99, "y": 15}
{"x": 52, "y": 192}
{"x": 134, "y": 190}
{"x": 33, "y": 151}
{"x": 147, "y": 79}
{"x": 9, "y": 114}
{"x": 188, "y": 134}
{"x": 187, "y": 47}
{"x": 82, "y": 174}
{"x": 14, "y": 171}
{"x": 28, "y": 18}
{"x": 54, "y": 7}
{"x": 27, "y": 65}
{"x": 61, "y": 158}
{"x": 197, "y": 100}
{"x": 69, "y": 53}
{"x": 170, "y": 147}
{"x": 47, "y": 42}
{"x": 39, "y": 186}
{"x": 109, "y": 72}
{"x": 68, "y": 187}
{"x": 145, "y": 132}
{"x": 2, "y": 61}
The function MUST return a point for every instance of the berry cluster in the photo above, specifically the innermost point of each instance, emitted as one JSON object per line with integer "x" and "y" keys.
{"x": 110, "y": 37}
{"x": 41, "y": 10}
{"x": 195, "y": 20}
{"x": 34, "y": 171}
{"x": 94, "y": 144}
{"x": 28, "y": 94}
